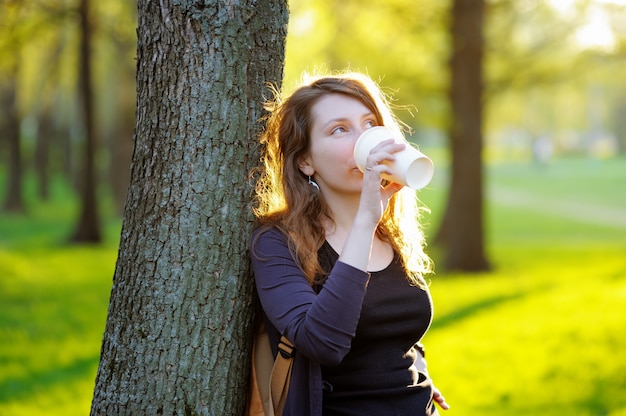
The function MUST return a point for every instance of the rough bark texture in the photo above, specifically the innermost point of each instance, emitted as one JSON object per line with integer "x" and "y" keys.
{"x": 461, "y": 231}
{"x": 179, "y": 326}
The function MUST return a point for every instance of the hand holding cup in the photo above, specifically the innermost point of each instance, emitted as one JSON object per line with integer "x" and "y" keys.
{"x": 410, "y": 168}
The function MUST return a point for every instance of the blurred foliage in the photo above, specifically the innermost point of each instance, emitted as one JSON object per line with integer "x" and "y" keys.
{"x": 540, "y": 79}
{"x": 40, "y": 39}
{"x": 400, "y": 43}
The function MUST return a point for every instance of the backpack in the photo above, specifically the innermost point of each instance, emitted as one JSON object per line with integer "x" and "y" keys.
{"x": 269, "y": 378}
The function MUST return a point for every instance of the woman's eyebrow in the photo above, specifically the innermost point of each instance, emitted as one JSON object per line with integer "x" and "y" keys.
{"x": 344, "y": 119}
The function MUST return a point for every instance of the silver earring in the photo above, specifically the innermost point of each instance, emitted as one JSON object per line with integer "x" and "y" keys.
{"x": 314, "y": 184}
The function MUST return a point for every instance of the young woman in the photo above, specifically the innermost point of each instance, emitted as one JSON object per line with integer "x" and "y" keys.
{"x": 338, "y": 259}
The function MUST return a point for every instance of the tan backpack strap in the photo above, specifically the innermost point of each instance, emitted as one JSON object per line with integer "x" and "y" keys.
{"x": 281, "y": 375}
{"x": 259, "y": 402}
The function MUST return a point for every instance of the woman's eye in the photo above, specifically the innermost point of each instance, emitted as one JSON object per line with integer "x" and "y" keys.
{"x": 369, "y": 124}
{"x": 338, "y": 130}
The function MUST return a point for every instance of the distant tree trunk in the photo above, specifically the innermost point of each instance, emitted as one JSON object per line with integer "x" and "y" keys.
{"x": 14, "y": 201}
{"x": 45, "y": 132}
{"x": 88, "y": 228}
{"x": 461, "y": 232}
{"x": 121, "y": 132}
{"x": 178, "y": 332}
{"x": 64, "y": 137}
{"x": 47, "y": 127}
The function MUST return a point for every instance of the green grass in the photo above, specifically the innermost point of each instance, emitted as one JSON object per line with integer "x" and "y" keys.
{"x": 543, "y": 334}
{"x": 53, "y": 303}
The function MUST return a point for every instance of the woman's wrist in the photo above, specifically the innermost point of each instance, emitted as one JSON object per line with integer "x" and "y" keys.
{"x": 363, "y": 223}
{"x": 358, "y": 244}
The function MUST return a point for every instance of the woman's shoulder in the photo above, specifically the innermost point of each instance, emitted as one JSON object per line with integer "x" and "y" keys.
{"x": 267, "y": 239}
{"x": 267, "y": 231}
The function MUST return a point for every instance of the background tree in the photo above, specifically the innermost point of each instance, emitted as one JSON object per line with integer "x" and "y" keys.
{"x": 43, "y": 39}
{"x": 461, "y": 231}
{"x": 10, "y": 115}
{"x": 178, "y": 331}
{"x": 116, "y": 93}
{"x": 531, "y": 70}
{"x": 88, "y": 227}
{"x": 14, "y": 201}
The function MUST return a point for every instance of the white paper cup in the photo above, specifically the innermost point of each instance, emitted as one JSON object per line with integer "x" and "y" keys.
{"x": 411, "y": 168}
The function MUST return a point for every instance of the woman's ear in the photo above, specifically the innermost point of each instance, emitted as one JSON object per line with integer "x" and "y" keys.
{"x": 305, "y": 167}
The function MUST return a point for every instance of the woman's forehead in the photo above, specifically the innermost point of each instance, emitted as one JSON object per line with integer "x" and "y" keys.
{"x": 333, "y": 107}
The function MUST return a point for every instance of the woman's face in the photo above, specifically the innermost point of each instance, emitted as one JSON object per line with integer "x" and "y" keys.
{"x": 337, "y": 122}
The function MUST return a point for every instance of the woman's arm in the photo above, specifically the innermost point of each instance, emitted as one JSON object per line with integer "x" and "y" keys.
{"x": 321, "y": 326}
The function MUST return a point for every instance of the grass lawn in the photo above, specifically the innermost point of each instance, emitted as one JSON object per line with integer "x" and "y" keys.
{"x": 53, "y": 304}
{"x": 542, "y": 334}
{"x": 545, "y": 332}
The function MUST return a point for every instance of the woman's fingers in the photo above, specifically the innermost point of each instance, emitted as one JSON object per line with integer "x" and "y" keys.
{"x": 441, "y": 401}
{"x": 382, "y": 152}
{"x": 391, "y": 189}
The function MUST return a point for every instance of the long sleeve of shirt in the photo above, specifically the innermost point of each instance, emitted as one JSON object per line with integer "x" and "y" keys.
{"x": 321, "y": 326}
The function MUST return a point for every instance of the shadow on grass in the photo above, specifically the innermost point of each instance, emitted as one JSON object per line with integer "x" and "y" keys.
{"x": 15, "y": 389}
{"x": 468, "y": 311}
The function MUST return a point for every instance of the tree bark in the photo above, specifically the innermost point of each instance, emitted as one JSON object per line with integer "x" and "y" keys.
{"x": 178, "y": 331}
{"x": 88, "y": 228}
{"x": 461, "y": 232}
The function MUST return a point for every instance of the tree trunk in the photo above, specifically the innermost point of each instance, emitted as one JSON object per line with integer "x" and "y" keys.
{"x": 119, "y": 134}
{"x": 461, "y": 232}
{"x": 88, "y": 228}
{"x": 13, "y": 202}
{"x": 178, "y": 331}
{"x": 45, "y": 132}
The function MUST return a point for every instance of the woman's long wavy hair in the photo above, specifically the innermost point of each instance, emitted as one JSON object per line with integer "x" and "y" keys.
{"x": 285, "y": 199}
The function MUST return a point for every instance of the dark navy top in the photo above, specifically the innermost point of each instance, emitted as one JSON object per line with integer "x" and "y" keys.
{"x": 355, "y": 335}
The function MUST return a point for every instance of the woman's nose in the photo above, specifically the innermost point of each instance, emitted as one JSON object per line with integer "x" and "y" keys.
{"x": 359, "y": 132}
{"x": 356, "y": 135}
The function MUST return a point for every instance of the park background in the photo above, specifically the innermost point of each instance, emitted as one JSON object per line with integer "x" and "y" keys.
{"x": 542, "y": 333}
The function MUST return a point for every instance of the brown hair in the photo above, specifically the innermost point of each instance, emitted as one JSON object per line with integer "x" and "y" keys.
{"x": 286, "y": 201}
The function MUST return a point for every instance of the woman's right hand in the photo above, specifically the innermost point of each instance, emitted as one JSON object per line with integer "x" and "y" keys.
{"x": 375, "y": 197}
